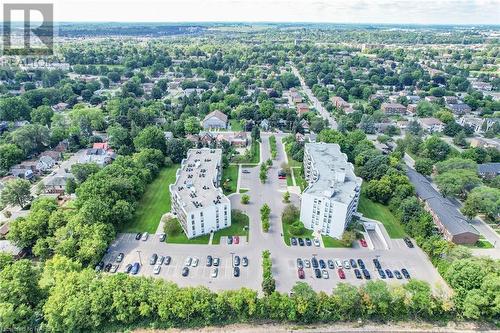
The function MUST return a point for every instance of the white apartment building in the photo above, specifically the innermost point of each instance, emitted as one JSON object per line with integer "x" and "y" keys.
{"x": 197, "y": 200}
{"x": 333, "y": 192}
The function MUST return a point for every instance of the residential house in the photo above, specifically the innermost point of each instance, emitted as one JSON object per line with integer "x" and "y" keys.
{"x": 215, "y": 120}
{"x": 339, "y": 102}
{"x": 59, "y": 107}
{"x": 299, "y": 137}
{"x": 451, "y": 223}
{"x": 459, "y": 108}
{"x": 393, "y": 108}
{"x": 101, "y": 154}
{"x": 431, "y": 124}
{"x": 473, "y": 122}
{"x": 485, "y": 143}
{"x": 45, "y": 163}
{"x": 57, "y": 184}
{"x": 305, "y": 125}
{"x": 412, "y": 109}
{"x": 24, "y": 170}
{"x": 168, "y": 135}
{"x": 264, "y": 124}
{"x": 302, "y": 108}
{"x": 402, "y": 124}
{"x": 488, "y": 170}
{"x": 55, "y": 155}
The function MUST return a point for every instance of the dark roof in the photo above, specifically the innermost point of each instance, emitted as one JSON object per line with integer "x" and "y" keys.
{"x": 447, "y": 212}
{"x": 490, "y": 168}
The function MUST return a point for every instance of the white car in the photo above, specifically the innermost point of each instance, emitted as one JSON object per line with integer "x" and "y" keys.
{"x": 316, "y": 242}
{"x": 338, "y": 263}
{"x": 194, "y": 263}
{"x": 145, "y": 236}
{"x": 188, "y": 261}
{"x": 157, "y": 269}
{"x": 307, "y": 263}
{"x": 215, "y": 271}
{"x": 347, "y": 265}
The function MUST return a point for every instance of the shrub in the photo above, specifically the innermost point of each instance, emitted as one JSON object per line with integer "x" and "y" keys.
{"x": 297, "y": 228}
{"x": 171, "y": 226}
{"x": 245, "y": 199}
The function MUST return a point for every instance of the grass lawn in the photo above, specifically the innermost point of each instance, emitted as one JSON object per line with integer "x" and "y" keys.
{"x": 231, "y": 173}
{"x": 239, "y": 227}
{"x": 287, "y": 235}
{"x": 379, "y": 212}
{"x": 291, "y": 162}
{"x": 332, "y": 242}
{"x": 236, "y": 125}
{"x": 182, "y": 239}
{"x": 289, "y": 180}
{"x": 299, "y": 180}
{"x": 154, "y": 203}
{"x": 243, "y": 190}
{"x": 481, "y": 244}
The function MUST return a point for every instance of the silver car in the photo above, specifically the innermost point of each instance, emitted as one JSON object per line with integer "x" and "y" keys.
{"x": 347, "y": 265}
{"x": 215, "y": 272}
{"x": 194, "y": 263}
{"x": 157, "y": 269}
{"x": 144, "y": 236}
{"x": 188, "y": 261}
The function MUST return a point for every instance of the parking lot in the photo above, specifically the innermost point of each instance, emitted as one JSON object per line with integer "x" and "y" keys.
{"x": 141, "y": 251}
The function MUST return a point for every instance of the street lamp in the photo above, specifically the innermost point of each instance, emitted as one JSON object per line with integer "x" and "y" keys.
{"x": 140, "y": 260}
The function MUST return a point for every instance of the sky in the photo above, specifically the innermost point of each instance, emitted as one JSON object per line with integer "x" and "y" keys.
{"x": 330, "y": 11}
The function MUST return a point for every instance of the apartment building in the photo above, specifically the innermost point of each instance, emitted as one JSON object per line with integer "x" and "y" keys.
{"x": 332, "y": 194}
{"x": 197, "y": 200}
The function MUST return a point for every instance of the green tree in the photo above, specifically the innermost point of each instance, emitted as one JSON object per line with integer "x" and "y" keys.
{"x": 14, "y": 108}
{"x": 245, "y": 199}
{"x": 172, "y": 227}
{"x": 457, "y": 182}
{"x": 483, "y": 200}
{"x": 286, "y": 197}
{"x": 16, "y": 192}
{"x": 42, "y": 115}
{"x": 150, "y": 137}
{"x": 192, "y": 125}
{"x": 424, "y": 166}
{"x": 10, "y": 154}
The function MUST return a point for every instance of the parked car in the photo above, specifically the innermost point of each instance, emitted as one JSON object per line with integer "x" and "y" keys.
{"x": 357, "y": 273}
{"x": 167, "y": 260}
{"x": 361, "y": 264}
{"x": 160, "y": 260}
{"x": 322, "y": 264}
{"x": 301, "y": 273}
{"x": 293, "y": 241}
{"x": 236, "y": 271}
{"x": 229, "y": 240}
{"x": 325, "y": 274}
{"x": 281, "y": 174}
{"x": 107, "y": 267}
{"x": 119, "y": 257}
{"x": 338, "y": 263}
{"x": 245, "y": 171}
{"x": 377, "y": 264}
{"x": 144, "y": 236}
{"x": 185, "y": 271}
{"x": 163, "y": 237}
{"x": 347, "y": 265}
{"x": 128, "y": 268}
{"x": 314, "y": 262}
{"x": 408, "y": 242}
{"x": 308, "y": 241}
{"x": 307, "y": 263}
{"x": 353, "y": 263}
{"x": 236, "y": 239}
{"x": 244, "y": 261}
{"x": 135, "y": 268}
{"x": 99, "y": 267}
{"x": 156, "y": 269}
{"x": 341, "y": 273}
{"x": 389, "y": 273}
{"x": 138, "y": 236}
{"x": 381, "y": 273}
{"x": 216, "y": 261}
{"x": 209, "y": 261}
{"x": 195, "y": 262}
{"x": 316, "y": 242}
{"x": 215, "y": 272}
{"x": 366, "y": 274}
{"x": 301, "y": 241}
{"x": 236, "y": 261}
{"x": 363, "y": 243}
{"x": 153, "y": 258}
{"x": 300, "y": 263}
{"x": 405, "y": 273}
{"x": 331, "y": 265}
{"x": 397, "y": 274}
{"x": 317, "y": 273}
{"x": 113, "y": 268}
{"x": 188, "y": 261}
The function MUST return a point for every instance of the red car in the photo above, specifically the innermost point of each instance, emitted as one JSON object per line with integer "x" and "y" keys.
{"x": 236, "y": 239}
{"x": 301, "y": 274}
{"x": 363, "y": 243}
{"x": 341, "y": 273}
{"x": 281, "y": 174}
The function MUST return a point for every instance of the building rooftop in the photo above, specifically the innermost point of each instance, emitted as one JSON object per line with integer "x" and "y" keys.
{"x": 196, "y": 178}
{"x": 335, "y": 176}
{"x": 446, "y": 211}
{"x": 493, "y": 168}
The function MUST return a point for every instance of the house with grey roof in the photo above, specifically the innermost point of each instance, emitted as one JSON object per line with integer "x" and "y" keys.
{"x": 215, "y": 120}
{"x": 452, "y": 224}
{"x": 488, "y": 170}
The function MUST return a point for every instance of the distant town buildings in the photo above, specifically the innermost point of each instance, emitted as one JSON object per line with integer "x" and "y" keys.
{"x": 215, "y": 120}
{"x": 333, "y": 190}
{"x": 197, "y": 200}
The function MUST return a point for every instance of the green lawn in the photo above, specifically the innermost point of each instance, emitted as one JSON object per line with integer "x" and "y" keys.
{"x": 379, "y": 212}
{"x": 481, "y": 244}
{"x": 291, "y": 162}
{"x": 289, "y": 180}
{"x": 287, "y": 235}
{"x": 332, "y": 242}
{"x": 254, "y": 156}
{"x": 154, "y": 203}
{"x": 299, "y": 180}
{"x": 231, "y": 173}
{"x": 236, "y": 125}
{"x": 181, "y": 238}
{"x": 239, "y": 227}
